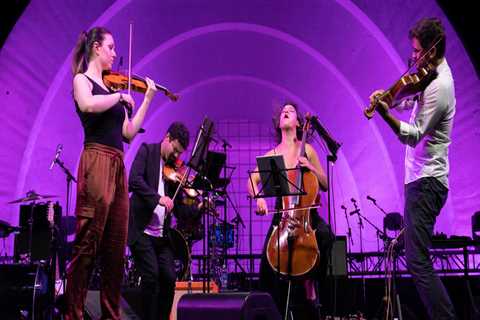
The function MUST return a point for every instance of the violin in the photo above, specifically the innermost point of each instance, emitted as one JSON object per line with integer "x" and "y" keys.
{"x": 177, "y": 173}
{"x": 407, "y": 85}
{"x": 292, "y": 248}
{"x": 117, "y": 81}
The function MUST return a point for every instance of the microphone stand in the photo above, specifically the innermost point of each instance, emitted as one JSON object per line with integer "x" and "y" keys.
{"x": 250, "y": 242}
{"x": 237, "y": 221}
{"x": 362, "y": 256}
{"x": 379, "y": 208}
{"x": 333, "y": 147}
{"x": 397, "y": 307}
{"x": 225, "y": 144}
{"x": 380, "y": 234}
{"x": 69, "y": 178}
{"x": 330, "y": 162}
{"x": 349, "y": 233}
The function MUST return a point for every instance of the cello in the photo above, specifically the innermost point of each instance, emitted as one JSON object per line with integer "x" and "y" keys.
{"x": 292, "y": 248}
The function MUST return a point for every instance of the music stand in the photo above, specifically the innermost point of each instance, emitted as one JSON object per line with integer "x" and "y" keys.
{"x": 208, "y": 178}
{"x": 275, "y": 183}
{"x": 200, "y": 149}
{"x": 203, "y": 162}
{"x": 274, "y": 178}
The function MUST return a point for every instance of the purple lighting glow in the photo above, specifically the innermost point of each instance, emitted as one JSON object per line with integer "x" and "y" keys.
{"x": 235, "y": 63}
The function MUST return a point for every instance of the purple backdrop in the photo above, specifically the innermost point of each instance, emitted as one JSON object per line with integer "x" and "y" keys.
{"x": 235, "y": 63}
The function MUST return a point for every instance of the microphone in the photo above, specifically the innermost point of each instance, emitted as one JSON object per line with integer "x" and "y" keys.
{"x": 357, "y": 210}
{"x": 332, "y": 144}
{"x": 354, "y": 212}
{"x": 57, "y": 155}
{"x": 372, "y": 199}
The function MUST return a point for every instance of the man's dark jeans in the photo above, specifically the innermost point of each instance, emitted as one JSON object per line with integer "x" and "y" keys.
{"x": 424, "y": 198}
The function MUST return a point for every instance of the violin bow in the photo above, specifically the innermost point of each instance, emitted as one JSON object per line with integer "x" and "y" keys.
{"x": 167, "y": 92}
{"x": 181, "y": 183}
{"x": 314, "y": 206}
{"x": 411, "y": 65}
{"x": 129, "y": 88}
{"x": 423, "y": 55}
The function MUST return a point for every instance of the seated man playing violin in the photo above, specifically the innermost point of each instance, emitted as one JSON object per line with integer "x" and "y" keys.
{"x": 151, "y": 205}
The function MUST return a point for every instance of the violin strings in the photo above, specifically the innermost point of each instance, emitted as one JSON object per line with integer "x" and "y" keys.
{"x": 182, "y": 181}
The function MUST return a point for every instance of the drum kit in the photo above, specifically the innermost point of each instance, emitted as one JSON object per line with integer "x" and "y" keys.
{"x": 188, "y": 230}
{"x": 27, "y": 286}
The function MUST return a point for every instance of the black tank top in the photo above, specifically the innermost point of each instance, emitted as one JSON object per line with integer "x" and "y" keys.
{"x": 105, "y": 127}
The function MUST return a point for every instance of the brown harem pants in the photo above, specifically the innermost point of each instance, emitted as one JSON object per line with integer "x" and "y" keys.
{"x": 102, "y": 226}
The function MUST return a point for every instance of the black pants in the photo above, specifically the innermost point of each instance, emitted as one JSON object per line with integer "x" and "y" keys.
{"x": 301, "y": 307}
{"x": 153, "y": 259}
{"x": 424, "y": 198}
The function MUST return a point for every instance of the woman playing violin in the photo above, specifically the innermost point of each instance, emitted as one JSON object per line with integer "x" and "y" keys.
{"x": 102, "y": 195}
{"x": 427, "y": 137}
{"x": 288, "y": 127}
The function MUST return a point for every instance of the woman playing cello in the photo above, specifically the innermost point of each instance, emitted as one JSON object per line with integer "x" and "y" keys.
{"x": 288, "y": 127}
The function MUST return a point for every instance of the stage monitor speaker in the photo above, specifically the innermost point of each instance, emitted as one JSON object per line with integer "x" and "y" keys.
{"x": 339, "y": 256}
{"x": 231, "y": 306}
{"x": 132, "y": 298}
{"x": 93, "y": 310}
{"x": 184, "y": 287}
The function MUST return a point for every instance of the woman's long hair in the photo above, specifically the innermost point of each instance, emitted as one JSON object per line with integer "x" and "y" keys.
{"x": 83, "y": 49}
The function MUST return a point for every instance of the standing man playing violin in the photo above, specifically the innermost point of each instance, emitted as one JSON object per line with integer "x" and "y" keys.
{"x": 288, "y": 127}
{"x": 427, "y": 137}
{"x": 150, "y": 216}
{"x": 102, "y": 196}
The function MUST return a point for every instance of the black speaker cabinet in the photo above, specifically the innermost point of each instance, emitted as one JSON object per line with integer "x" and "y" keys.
{"x": 231, "y": 306}
{"x": 93, "y": 310}
{"x": 41, "y": 231}
{"x": 339, "y": 256}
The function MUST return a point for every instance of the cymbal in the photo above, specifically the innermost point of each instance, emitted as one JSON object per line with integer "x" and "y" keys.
{"x": 32, "y": 196}
{"x": 6, "y": 229}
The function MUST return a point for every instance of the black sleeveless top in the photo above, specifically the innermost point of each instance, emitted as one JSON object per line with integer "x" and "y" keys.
{"x": 106, "y": 127}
